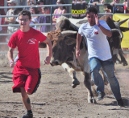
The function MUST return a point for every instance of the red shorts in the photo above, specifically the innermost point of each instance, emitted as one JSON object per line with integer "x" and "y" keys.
{"x": 30, "y": 80}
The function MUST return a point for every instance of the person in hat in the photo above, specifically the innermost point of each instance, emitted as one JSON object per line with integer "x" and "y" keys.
{"x": 10, "y": 19}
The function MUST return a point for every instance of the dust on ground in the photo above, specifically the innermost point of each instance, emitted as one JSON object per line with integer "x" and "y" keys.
{"x": 55, "y": 98}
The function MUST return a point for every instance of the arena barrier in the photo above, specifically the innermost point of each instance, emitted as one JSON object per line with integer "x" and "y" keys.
{"x": 125, "y": 40}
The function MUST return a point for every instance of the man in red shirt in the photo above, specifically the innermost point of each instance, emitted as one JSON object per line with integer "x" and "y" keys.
{"x": 26, "y": 72}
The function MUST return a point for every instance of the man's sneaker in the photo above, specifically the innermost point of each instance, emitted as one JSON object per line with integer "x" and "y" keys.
{"x": 28, "y": 115}
{"x": 120, "y": 103}
{"x": 100, "y": 96}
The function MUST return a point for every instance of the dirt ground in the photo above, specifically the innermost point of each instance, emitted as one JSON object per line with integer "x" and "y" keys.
{"x": 55, "y": 98}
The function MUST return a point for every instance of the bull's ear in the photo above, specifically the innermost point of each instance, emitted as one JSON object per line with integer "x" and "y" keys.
{"x": 124, "y": 29}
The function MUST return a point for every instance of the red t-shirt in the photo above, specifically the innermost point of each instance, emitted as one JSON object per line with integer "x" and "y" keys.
{"x": 27, "y": 44}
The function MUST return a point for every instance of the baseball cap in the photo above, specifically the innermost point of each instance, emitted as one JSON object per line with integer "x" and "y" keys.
{"x": 12, "y": 1}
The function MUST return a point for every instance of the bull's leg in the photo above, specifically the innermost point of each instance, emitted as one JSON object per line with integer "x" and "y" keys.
{"x": 72, "y": 74}
{"x": 123, "y": 60}
{"x": 87, "y": 83}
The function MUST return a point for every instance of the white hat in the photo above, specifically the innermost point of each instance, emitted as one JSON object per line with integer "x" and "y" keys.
{"x": 12, "y": 1}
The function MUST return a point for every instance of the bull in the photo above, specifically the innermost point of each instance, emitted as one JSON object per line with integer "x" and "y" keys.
{"x": 64, "y": 41}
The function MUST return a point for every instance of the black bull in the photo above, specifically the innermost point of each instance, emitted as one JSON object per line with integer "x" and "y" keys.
{"x": 64, "y": 54}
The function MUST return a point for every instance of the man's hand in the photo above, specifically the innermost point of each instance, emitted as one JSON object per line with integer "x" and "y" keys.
{"x": 77, "y": 53}
{"x": 96, "y": 19}
{"x": 12, "y": 64}
{"x": 47, "y": 60}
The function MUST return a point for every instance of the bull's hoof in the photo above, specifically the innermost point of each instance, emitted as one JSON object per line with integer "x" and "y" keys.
{"x": 125, "y": 63}
{"x": 75, "y": 83}
{"x": 92, "y": 100}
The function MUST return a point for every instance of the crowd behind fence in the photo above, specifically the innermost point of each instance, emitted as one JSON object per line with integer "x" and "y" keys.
{"x": 68, "y": 14}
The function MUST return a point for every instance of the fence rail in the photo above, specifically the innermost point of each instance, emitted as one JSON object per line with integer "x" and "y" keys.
{"x": 39, "y": 24}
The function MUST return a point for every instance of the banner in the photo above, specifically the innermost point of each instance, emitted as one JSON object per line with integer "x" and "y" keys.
{"x": 78, "y": 9}
{"x": 125, "y": 40}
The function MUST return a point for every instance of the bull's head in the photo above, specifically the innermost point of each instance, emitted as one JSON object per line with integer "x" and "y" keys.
{"x": 63, "y": 48}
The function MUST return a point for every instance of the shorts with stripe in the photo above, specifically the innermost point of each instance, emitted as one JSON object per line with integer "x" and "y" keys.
{"x": 30, "y": 80}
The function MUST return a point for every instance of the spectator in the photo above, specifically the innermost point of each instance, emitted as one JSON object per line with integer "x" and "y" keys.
{"x": 16, "y": 11}
{"x": 95, "y": 2}
{"x": 117, "y": 8}
{"x": 47, "y": 19}
{"x": 59, "y": 11}
{"x": 38, "y": 19}
{"x": 108, "y": 9}
{"x": 11, "y": 20}
{"x": 1, "y": 21}
{"x": 29, "y": 3}
{"x": 34, "y": 10}
{"x": 125, "y": 3}
{"x": 126, "y": 8}
{"x": 51, "y": 2}
{"x": 4, "y": 28}
{"x": 40, "y": 2}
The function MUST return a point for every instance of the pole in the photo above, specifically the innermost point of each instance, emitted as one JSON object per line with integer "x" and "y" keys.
{"x": 128, "y": 3}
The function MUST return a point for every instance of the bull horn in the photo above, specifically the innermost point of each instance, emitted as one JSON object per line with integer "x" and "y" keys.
{"x": 67, "y": 32}
{"x": 121, "y": 35}
{"x": 121, "y": 22}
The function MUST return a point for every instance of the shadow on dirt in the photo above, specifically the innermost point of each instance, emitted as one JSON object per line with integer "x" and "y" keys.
{"x": 114, "y": 103}
{"x": 5, "y": 77}
{"x": 20, "y": 103}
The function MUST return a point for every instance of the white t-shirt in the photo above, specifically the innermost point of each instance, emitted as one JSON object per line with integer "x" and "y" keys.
{"x": 97, "y": 42}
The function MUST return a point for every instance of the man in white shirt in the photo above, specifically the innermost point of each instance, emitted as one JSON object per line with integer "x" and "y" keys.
{"x": 96, "y": 31}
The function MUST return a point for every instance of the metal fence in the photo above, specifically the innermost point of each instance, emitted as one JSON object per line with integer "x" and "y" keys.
{"x": 4, "y": 37}
{"x": 41, "y": 24}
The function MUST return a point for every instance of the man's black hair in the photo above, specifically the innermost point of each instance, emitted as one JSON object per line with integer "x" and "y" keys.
{"x": 25, "y": 12}
{"x": 92, "y": 9}
{"x": 46, "y": 8}
{"x": 39, "y": 1}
